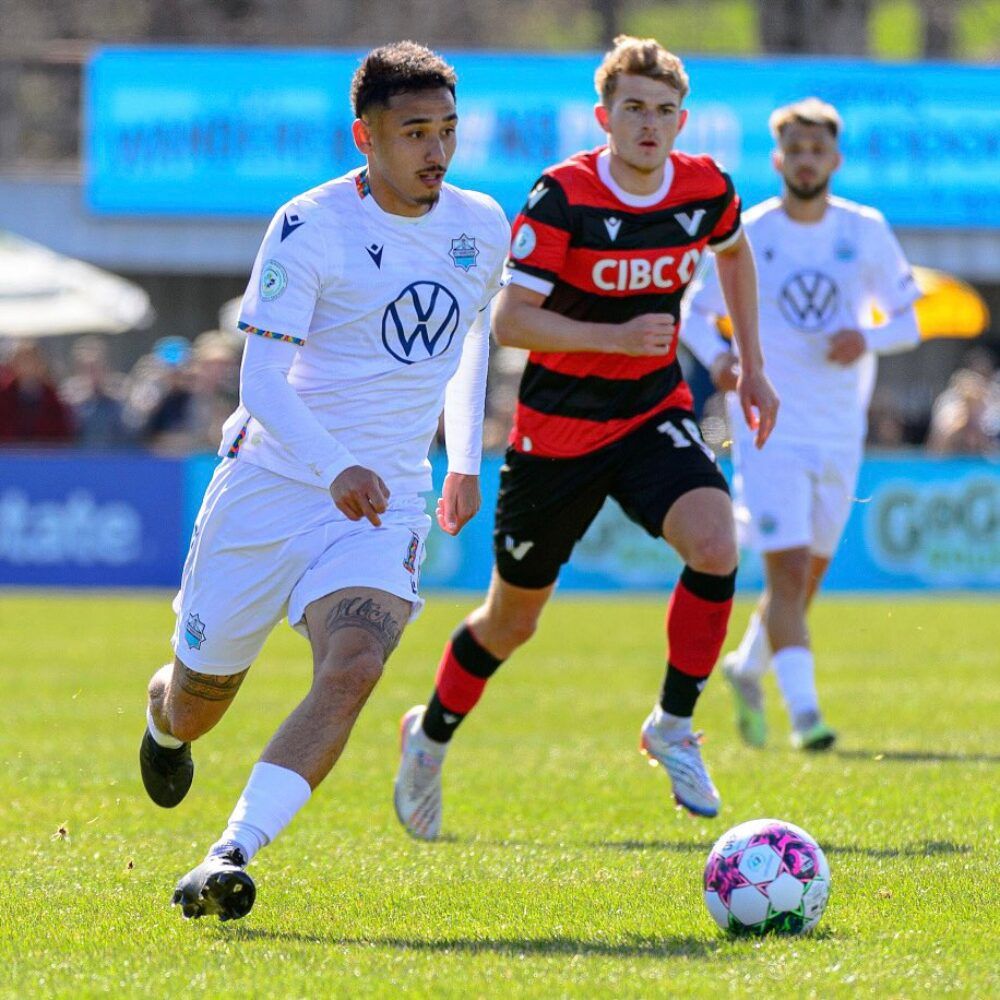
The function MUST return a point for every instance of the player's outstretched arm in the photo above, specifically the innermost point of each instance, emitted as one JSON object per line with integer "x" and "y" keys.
{"x": 738, "y": 278}
{"x": 520, "y": 321}
{"x": 459, "y": 503}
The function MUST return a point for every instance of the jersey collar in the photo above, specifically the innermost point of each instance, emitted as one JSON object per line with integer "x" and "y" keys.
{"x": 633, "y": 200}
{"x": 371, "y": 206}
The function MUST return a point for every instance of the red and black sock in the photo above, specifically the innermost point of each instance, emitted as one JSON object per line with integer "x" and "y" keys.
{"x": 697, "y": 618}
{"x": 462, "y": 674}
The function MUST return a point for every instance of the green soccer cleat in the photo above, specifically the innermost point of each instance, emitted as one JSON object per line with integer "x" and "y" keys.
{"x": 818, "y": 736}
{"x": 749, "y": 699}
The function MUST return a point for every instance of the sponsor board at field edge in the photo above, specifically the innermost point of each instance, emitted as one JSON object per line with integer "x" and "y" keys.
{"x": 188, "y": 131}
{"x": 916, "y": 524}
{"x": 938, "y": 525}
{"x": 71, "y": 520}
{"x": 125, "y": 521}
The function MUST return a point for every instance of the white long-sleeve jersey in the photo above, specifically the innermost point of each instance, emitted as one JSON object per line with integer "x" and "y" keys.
{"x": 361, "y": 326}
{"x": 814, "y": 280}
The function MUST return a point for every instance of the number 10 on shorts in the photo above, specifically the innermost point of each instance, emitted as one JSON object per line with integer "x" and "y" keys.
{"x": 680, "y": 439}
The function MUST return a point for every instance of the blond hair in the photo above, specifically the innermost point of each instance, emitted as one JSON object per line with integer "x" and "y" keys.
{"x": 809, "y": 111}
{"x": 639, "y": 57}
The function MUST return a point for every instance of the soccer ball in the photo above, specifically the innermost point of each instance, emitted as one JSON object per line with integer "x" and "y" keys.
{"x": 766, "y": 875}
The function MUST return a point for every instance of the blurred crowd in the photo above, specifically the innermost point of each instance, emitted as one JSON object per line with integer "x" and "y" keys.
{"x": 176, "y": 398}
{"x": 173, "y": 401}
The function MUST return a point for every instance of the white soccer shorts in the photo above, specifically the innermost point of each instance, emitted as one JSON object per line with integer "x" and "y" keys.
{"x": 791, "y": 495}
{"x": 265, "y": 546}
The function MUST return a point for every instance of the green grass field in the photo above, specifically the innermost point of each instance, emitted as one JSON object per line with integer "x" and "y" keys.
{"x": 565, "y": 872}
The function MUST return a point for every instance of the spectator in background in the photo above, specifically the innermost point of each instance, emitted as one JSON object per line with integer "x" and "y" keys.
{"x": 153, "y": 377}
{"x": 965, "y": 419}
{"x": 198, "y": 392}
{"x": 96, "y": 395}
{"x": 31, "y": 411}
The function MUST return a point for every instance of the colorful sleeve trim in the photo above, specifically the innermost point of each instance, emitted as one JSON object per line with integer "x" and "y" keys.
{"x": 234, "y": 448}
{"x": 285, "y": 338}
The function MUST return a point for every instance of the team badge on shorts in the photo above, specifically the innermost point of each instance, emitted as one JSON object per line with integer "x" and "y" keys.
{"x": 768, "y": 524}
{"x": 464, "y": 251}
{"x": 194, "y": 631}
{"x": 273, "y": 280}
{"x": 410, "y": 563}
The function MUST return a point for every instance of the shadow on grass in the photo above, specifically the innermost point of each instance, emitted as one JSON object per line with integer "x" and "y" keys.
{"x": 920, "y": 849}
{"x": 920, "y": 756}
{"x": 639, "y": 947}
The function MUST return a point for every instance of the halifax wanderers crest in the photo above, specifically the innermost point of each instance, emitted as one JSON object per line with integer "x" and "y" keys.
{"x": 464, "y": 252}
{"x": 194, "y": 631}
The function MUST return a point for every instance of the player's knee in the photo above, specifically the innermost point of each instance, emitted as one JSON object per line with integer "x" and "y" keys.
{"x": 713, "y": 553}
{"x": 789, "y": 575}
{"x": 351, "y": 675}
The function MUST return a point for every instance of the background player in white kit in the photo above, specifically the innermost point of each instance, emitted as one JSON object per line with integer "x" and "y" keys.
{"x": 358, "y": 315}
{"x": 822, "y": 263}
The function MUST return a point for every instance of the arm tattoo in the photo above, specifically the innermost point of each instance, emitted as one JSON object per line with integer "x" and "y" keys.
{"x": 210, "y": 687}
{"x": 364, "y": 613}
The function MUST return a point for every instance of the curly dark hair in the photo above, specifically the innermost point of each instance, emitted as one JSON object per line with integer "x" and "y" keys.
{"x": 394, "y": 69}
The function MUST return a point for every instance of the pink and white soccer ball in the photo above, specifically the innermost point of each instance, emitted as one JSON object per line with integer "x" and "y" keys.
{"x": 766, "y": 876}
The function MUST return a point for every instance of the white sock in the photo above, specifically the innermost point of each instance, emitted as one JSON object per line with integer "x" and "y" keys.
{"x": 271, "y": 799}
{"x": 163, "y": 739}
{"x": 423, "y": 742}
{"x": 671, "y": 726}
{"x": 796, "y": 674}
{"x": 753, "y": 655}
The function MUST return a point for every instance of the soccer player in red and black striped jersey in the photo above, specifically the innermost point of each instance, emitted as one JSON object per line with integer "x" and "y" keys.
{"x": 601, "y": 254}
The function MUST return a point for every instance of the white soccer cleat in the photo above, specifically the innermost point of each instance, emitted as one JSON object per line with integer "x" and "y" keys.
{"x": 417, "y": 793}
{"x": 681, "y": 759}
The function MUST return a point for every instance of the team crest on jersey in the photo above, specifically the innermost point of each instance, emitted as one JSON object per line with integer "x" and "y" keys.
{"x": 464, "y": 252}
{"x": 845, "y": 250}
{"x": 273, "y": 280}
{"x": 420, "y": 323}
{"x": 523, "y": 243}
{"x": 194, "y": 631}
{"x": 809, "y": 300}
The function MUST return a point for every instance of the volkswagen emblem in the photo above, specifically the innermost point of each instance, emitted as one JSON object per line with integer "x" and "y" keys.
{"x": 420, "y": 323}
{"x": 809, "y": 300}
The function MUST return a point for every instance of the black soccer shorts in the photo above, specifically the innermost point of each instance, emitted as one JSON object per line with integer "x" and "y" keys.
{"x": 546, "y": 504}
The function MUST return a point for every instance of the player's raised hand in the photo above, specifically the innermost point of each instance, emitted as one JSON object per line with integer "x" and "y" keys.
{"x": 845, "y": 347}
{"x": 760, "y": 404}
{"x": 358, "y": 492}
{"x": 648, "y": 334}
{"x": 459, "y": 503}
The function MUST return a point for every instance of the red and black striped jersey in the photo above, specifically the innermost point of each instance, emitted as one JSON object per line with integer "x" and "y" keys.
{"x": 601, "y": 255}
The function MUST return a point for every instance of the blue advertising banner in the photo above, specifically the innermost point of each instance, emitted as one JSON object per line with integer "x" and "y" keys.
{"x": 80, "y": 520}
{"x": 918, "y": 524}
{"x": 198, "y": 131}
{"x": 97, "y": 520}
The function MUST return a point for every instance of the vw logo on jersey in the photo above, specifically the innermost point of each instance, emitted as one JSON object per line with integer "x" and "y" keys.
{"x": 809, "y": 300}
{"x": 420, "y": 323}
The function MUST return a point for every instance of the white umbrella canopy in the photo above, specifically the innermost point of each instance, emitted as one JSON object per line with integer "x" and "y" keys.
{"x": 43, "y": 293}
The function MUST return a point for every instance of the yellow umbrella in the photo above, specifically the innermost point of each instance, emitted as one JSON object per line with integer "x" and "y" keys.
{"x": 947, "y": 307}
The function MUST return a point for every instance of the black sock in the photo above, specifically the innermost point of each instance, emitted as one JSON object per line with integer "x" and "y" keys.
{"x": 680, "y": 692}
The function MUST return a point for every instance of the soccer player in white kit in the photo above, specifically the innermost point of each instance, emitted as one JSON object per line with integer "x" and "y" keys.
{"x": 366, "y": 312}
{"x": 822, "y": 263}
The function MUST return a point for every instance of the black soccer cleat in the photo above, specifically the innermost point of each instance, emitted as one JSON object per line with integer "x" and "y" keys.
{"x": 166, "y": 773}
{"x": 219, "y": 887}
